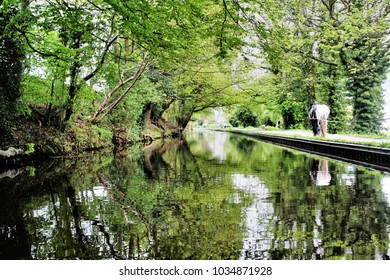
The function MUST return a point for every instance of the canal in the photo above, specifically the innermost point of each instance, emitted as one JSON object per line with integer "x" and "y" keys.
{"x": 214, "y": 196}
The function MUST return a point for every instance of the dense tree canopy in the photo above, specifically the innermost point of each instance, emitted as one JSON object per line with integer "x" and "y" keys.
{"x": 115, "y": 63}
{"x": 336, "y": 52}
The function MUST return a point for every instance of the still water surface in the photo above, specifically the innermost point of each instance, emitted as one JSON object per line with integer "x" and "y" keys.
{"x": 213, "y": 196}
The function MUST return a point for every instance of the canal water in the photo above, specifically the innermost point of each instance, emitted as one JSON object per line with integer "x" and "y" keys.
{"x": 214, "y": 196}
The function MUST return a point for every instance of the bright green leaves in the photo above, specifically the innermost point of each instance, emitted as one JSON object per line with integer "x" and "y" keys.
{"x": 314, "y": 49}
{"x": 314, "y": 42}
{"x": 100, "y": 43}
{"x": 174, "y": 29}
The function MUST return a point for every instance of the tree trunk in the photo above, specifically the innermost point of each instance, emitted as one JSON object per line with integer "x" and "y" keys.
{"x": 72, "y": 91}
{"x": 109, "y": 103}
{"x": 148, "y": 114}
{"x": 74, "y": 86}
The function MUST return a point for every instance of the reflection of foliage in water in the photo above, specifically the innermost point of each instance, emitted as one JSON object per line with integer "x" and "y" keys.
{"x": 158, "y": 206}
{"x": 330, "y": 222}
{"x": 244, "y": 145}
{"x": 175, "y": 201}
{"x": 347, "y": 219}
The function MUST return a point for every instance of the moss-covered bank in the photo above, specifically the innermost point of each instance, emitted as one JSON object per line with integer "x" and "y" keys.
{"x": 30, "y": 139}
{"x": 42, "y": 141}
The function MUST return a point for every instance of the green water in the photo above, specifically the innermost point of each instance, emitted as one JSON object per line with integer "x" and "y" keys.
{"x": 213, "y": 196}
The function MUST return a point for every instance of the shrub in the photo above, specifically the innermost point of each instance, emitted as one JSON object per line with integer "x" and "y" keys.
{"x": 246, "y": 118}
{"x": 234, "y": 121}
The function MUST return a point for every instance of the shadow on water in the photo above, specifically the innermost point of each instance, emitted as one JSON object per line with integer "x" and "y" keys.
{"x": 213, "y": 196}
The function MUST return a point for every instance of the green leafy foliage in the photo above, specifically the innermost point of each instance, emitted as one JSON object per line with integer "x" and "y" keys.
{"x": 234, "y": 121}
{"x": 244, "y": 117}
{"x": 333, "y": 53}
{"x": 11, "y": 68}
{"x": 111, "y": 61}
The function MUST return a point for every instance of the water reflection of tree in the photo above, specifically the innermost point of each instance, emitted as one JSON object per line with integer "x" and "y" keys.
{"x": 41, "y": 197}
{"x": 175, "y": 202}
{"x": 183, "y": 216}
{"x": 244, "y": 145}
{"x": 50, "y": 208}
{"x": 361, "y": 225}
{"x": 342, "y": 220}
{"x": 347, "y": 217}
{"x": 164, "y": 204}
{"x": 13, "y": 235}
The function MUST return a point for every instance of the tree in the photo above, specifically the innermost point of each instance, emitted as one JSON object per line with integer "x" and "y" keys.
{"x": 365, "y": 56}
{"x": 70, "y": 40}
{"x": 210, "y": 83}
{"x": 11, "y": 68}
{"x": 330, "y": 51}
{"x": 310, "y": 70}
{"x": 84, "y": 58}
{"x": 355, "y": 38}
{"x": 179, "y": 30}
{"x": 347, "y": 42}
{"x": 245, "y": 117}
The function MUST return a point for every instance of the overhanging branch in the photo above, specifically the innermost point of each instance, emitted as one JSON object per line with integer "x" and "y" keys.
{"x": 321, "y": 60}
{"x": 101, "y": 62}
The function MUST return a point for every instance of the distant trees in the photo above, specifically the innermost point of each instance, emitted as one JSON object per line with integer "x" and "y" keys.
{"x": 244, "y": 117}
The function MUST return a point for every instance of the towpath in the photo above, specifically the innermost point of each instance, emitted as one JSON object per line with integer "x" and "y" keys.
{"x": 337, "y": 137}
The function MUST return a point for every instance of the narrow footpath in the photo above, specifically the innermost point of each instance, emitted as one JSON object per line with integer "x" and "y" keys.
{"x": 329, "y": 137}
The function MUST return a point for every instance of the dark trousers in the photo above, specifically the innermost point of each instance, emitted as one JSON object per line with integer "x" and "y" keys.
{"x": 315, "y": 126}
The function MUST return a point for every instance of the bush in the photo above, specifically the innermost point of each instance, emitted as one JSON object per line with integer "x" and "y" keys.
{"x": 234, "y": 122}
{"x": 245, "y": 117}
